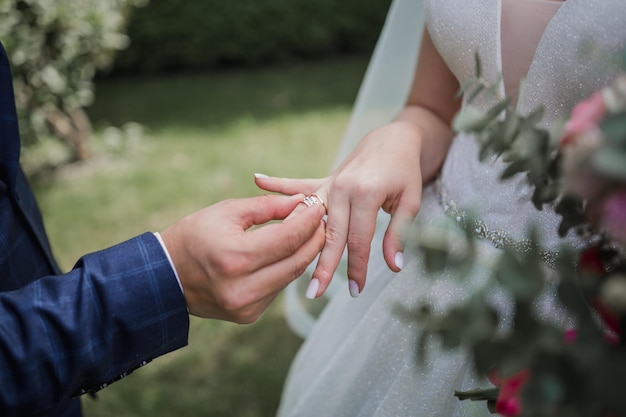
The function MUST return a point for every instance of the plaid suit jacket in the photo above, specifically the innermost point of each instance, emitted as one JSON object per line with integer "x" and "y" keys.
{"x": 62, "y": 335}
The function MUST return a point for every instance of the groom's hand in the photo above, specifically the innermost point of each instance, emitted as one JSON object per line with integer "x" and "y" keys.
{"x": 231, "y": 273}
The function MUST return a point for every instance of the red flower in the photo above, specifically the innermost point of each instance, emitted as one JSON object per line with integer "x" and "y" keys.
{"x": 509, "y": 403}
{"x": 590, "y": 261}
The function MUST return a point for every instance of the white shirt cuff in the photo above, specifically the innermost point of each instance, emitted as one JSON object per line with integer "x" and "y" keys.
{"x": 160, "y": 239}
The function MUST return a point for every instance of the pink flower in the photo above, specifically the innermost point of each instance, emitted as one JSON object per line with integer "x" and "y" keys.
{"x": 508, "y": 403}
{"x": 585, "y": 116}
{"x": 580, "y": 178}
{"x": 613, "y": 215}
{"x": 570, "y": 335}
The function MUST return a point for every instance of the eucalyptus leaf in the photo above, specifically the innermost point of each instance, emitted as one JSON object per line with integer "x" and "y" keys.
{"x": 498, "y": 108}
{"x": 571, "y": 210}
{"x": 478, "y": 89}
{"x": 510, "y": 155}
{"x": 571, "y": 297}
{"x": 545, "y": 195}
{"x": 435, "y": 260}
{"x": 478, "y": 65}
{"x": 533, "y": 119}
{"x": 522, "y": 277}
{"x": 515, "y": 167}
{"x": 490, "y": 354}
{"x": 538, "y": 199}
{"x": 611, "y": 162}
{"x": 510, "y": 127}
{"x": 464, "y": 87}
{"x": 485, "y": 150}
{"x": 469, "y": 119}
{"x": 554, "y": 167}
{"x": 614, "y": 129}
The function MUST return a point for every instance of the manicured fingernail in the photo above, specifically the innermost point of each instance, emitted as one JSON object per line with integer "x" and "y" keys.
{"x": 260, "y": 176}
{"x": 399, "y": 260}
{"x": 354, "y": 288}
{"x": 311, "y": 291}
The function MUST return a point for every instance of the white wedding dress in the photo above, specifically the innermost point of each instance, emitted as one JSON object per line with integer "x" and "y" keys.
{"x": 360, "y": 356}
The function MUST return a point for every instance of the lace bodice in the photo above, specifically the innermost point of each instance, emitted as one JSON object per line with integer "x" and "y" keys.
{"x": 560, "y": 73}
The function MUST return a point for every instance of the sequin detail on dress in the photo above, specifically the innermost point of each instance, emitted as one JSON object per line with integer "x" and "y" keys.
{"x": 499, "y": 238}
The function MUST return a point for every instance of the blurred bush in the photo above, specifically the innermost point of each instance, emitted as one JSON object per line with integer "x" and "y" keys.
{"x": 170, "y": 35}
{"x": 55, "y": 48}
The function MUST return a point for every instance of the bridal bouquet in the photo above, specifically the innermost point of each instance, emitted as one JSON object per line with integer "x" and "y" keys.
{"x": 537, "y": 366}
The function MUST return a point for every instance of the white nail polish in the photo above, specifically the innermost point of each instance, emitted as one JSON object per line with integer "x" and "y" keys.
{"x": 260, "y": 176}
{"x": 399, "y": 260}
{"x": 311, "y": 291}
{"x": 354, "y": 288}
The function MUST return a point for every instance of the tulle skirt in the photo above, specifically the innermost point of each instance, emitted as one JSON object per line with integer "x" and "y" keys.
{"x": 361, "y": 358}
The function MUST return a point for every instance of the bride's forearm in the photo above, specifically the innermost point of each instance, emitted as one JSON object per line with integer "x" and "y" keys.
{"x": 434, "y": 135}
{"x": 430, "y": 107}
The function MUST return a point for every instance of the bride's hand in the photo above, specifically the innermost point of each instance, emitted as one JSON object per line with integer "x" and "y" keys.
{"x": 383, "y": 171}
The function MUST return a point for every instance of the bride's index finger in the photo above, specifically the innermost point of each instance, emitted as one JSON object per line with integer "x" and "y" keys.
{"x": 287, "y": 186}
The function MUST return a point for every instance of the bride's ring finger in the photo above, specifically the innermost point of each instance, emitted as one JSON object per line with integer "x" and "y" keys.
{"x": 313, "y": 199}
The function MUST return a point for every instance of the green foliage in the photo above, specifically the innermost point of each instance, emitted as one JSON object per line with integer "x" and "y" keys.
{"x": 569, "y": 377}
{"x": 526, "y": 148}
{"x": 190, "y": 34}
{"x": 55, "y": 48}
{"x": 570, "y": 361}
{"x": 611, "y": 160}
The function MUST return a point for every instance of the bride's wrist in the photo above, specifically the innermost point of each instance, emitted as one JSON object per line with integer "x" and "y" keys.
{"x": 432, "y": 138}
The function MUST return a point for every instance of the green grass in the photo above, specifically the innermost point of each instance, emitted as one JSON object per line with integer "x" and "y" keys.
{"x": 205, "y": 135}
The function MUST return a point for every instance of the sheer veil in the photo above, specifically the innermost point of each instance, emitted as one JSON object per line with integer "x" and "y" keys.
{"x": 382, "y": 94}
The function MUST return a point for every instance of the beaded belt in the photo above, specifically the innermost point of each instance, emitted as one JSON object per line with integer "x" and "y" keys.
{"x": 480, "y": 230}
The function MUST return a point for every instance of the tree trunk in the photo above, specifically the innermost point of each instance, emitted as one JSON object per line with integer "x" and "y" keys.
{"x": 74, "y": 128}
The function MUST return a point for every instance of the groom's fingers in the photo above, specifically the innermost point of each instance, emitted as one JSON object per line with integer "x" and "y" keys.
{"x": 276, "y": 276}
{"x": 264, "y": 284}
{"x": 274, "y": 242}
{"x": 258, "y": 210}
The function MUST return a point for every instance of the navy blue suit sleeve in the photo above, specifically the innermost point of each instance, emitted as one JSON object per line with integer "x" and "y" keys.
{"x": 61, "y": 336}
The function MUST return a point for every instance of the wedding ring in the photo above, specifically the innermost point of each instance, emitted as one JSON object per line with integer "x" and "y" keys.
{"x": 312, "y": 199}
{"x": 320, "y": 199}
